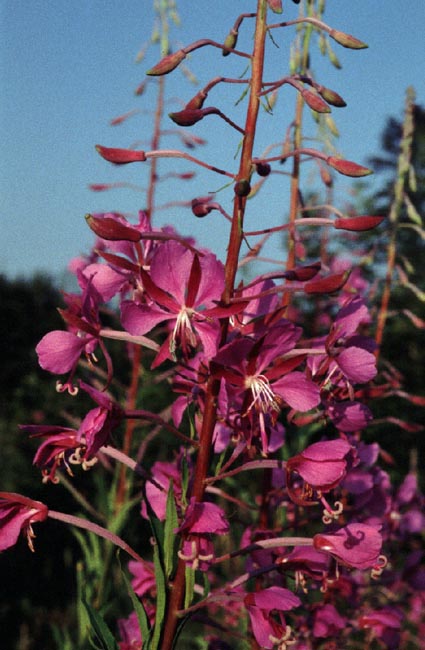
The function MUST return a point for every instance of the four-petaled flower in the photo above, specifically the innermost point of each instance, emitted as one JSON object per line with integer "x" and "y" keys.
{"x": 184, "y": 289}
{"x": 255, "y": 373}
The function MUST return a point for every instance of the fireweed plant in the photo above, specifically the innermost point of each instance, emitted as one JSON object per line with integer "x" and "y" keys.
{"x": 269, "y": 515}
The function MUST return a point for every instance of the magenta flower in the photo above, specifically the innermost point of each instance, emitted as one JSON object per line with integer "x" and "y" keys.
{"x": 61, "y": 447}
{"x": 157, "y": 489}
{"x": 17, "y": 514}
{"x": 202, "y": 518}
{"x": 96, "y": 428}
{"x": 184, "y": 288}
{"x": 386, "y": 625}
{"x": 349, "y": 355}
{"x": 355, "y": 545}
{"x": 321, "y": 466}
{"x": 143, "y": 577}
{"x": 59, "y": 351}
{"x": 129, "y": 630}
{"x": 349, "y": 416}
{"x": 269, "y": 631}
{"x": 200, "y": 521}
{"x": 256, "y": 376}
{"x": 327, "y": 621}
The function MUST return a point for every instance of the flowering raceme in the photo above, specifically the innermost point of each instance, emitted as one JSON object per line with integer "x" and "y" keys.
{"x": 243, "y": 405}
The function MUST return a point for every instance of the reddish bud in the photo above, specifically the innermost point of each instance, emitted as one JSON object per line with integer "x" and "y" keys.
{"x": 197, "y": 101}
{"x": 303, "y": 273}
{"x": 122, "y": 118}
{"x": 188, "y": 116}
{"x": 275, "y": 6}
{"x": 327, "y": 285}
{"x": 331, "y": 97}
{"x": 202, "y": 206}
{"x": 347, "y": 40}
{"x": 120, "y": 156}
{"x": 230, "y": 42}
{"x": 358, "y": 224}
{"x": 263, "y": 169}
{"x": 112, "y": 230}
{"x": 167, "y": 64}
{"x": 314, "y": 101}
{"x": 326, "y": 177}
{"x": 242, "y": 187}
{"x": 100, "y": 187}
{"x": 347, "y": 167}
{"x": 140, "y": 89}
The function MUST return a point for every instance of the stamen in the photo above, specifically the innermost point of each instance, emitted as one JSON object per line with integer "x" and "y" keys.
{"x": 263, "y": 397}
{"x": 182, "y": 331}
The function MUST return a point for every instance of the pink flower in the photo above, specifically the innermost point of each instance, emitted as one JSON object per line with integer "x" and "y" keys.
{"x": 17, "y": 513}
{"x": 200, "y": 521}
{"x": 96, "y": 428}
{"x": 202, "y": 518}
{"x": 60, "y": 447}
{"x": 144, "y": 577}
{"x": 327, "y": 621}
{"x": 59, "y": 351}
{"x": 385, "y": 623}
{"x": 321, "y": 467}
{"x": 157, "y": 489}
{"x": 256, "y": 376}
{"x": 129, "y": 630}
{"x": 355, "y": 545}
{"x": 349, "y": 356}
{"x": 269, "y": 631}
{"x": 184, "y": 288}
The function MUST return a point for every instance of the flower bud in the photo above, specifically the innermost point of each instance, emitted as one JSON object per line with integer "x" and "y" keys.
{"x": 331, "y": 97}
{"x": 120, "y": 156}
{"x": 303, "y": 273}
{"x": 263, "y": 169}
{"x": 347, "y": 40}
{"x": 358, "y": 224}
{"x": 348, "y": 168}
{"x": 112, "y": 230}
{"x": 201, "y": 206}
{"x": 230, "y": 42}
{"x": 167, "y": 64}
{"x": 197, "y": 101}
{"x": 140, "y": 88}
{"x": 327, "y": 285}
{"x": 242, "y": 187}
{"x": 314, "y": 101}
{"x": 326, "y": 176}
{"x": 190, "y": 116}
{"x": 275, "y": 6}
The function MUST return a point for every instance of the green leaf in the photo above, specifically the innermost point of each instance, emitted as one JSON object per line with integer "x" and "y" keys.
{"x": 100, "y": 629}
{"x": 161, "y": 597}
{"x": 190, "y": 586}
{"x": 412, "y": 213}
{"x": 171, "y": 523}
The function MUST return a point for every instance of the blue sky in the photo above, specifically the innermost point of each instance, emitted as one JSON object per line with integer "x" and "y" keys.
{"x": 68, "y": 68}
